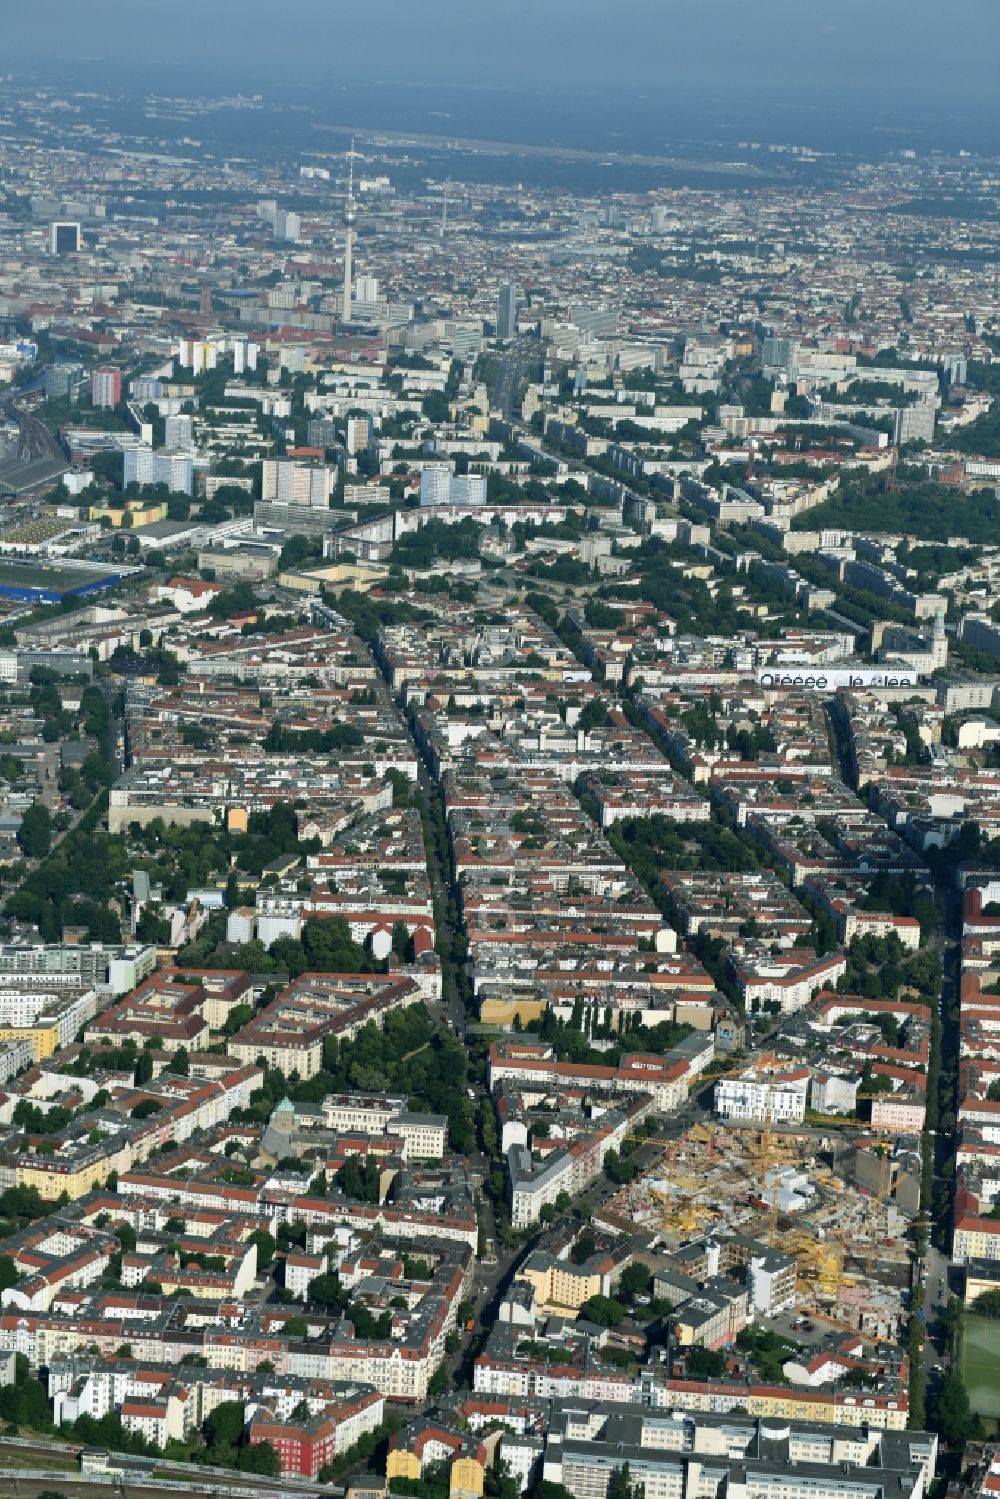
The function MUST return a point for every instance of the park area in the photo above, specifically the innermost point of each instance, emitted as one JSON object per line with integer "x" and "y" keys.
{"x": 981, "y": 1364}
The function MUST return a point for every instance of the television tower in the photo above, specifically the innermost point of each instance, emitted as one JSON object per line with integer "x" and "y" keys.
{"x": 350, "y": 219}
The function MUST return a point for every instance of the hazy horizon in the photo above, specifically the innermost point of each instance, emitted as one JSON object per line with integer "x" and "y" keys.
{"x": 887, "y": 72}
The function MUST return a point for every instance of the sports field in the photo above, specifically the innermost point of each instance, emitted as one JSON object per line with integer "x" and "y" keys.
{"x": 42, "y": 574}
{"x": 50, "y": 580}
{"x": 981, "y": 1363}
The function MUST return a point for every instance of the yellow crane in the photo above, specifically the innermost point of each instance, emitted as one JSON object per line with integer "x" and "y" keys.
{"x": 679, "y": 1212}
{"x": 820, "y": 1262}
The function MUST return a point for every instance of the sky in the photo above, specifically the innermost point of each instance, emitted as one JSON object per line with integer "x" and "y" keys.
{"x": 884, "y": 65}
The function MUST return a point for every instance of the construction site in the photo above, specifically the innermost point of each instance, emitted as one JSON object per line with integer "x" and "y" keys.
{"x": 849, "y": 1242}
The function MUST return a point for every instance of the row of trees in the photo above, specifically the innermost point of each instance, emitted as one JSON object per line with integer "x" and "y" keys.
{"x": 927, "y": 512}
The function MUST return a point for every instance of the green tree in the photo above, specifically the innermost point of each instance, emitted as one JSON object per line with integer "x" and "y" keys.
{"x": 498, "y": 1482}
{"x": 950, "y": 1412}
{"x": 259, "y": 1457}
{"x": 400, "y": 940}
{"x": 326, "y": 1290}
{"x": 125, "y": 1234}
{"x": 223, "y": 1425}
{"x": 635, "y": 1280}
{"x": 266, "y": 1246}
{"x": 238, "y": 1017}
{"x": 603, "y": 1310}
{"x": 952, "y": 1318}
{"x": 620, "y": 1485}
{"x": 360, "y": 1180}
{"x": 238, "y": 599}
{"x": 705, "y": 1362}
{"x": 34, "y": 836}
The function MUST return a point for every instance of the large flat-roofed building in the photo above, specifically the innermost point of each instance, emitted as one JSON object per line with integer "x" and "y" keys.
{"x": 112, "y": 969}
{"x": 65, "y": 238}
{"x": 672, "y": 1453}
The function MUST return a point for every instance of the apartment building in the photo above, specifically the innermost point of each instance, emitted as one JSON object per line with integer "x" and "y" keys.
{"x": 285, "y": 482}
{"x": 537, "y": 1183}
{"x": 306, "y": 1445}
{"x": 673, "y": 1454}
{"x": 902, "y": 1112}
{"x": 785, "y": 981}
{"x": 145, "y": 466}
{"x": 289, "y": 1032}
{"x": 758, "y": 1096}
{"x": 561, "y": 1286}
{"x": 665, "y": 1078}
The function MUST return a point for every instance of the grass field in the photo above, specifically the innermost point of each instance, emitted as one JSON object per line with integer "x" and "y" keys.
{"x": 26, "y": 580}
{"x": 42, "y": 575}
{"x": 981, "y": 1364}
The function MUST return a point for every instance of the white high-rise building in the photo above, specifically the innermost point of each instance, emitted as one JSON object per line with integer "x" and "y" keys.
{"x": 507, "y": 310}
{"x": 287, "y": 225}
{"x": 468, "y": 489}
{"x": 285, "y": 482}
{"x": 175, "y": 470}
{"x": 916, "y": 423}
{"x": 244, "y": 355}
{"x": 779, "y": 355}
{"x": 198, "y": 355}
{"x": 178, "y": 432}
{"x": 939, "y": 643}
{"x": 366, "y": 289}
{"x": 359, "y": 433}
{"x": 106, "y": 387}
{"x": 435, "y": 486}
{"x": 439, "y": 487}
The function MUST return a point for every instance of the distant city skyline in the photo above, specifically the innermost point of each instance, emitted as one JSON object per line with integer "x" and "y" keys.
{"x": 882, "y": 70}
